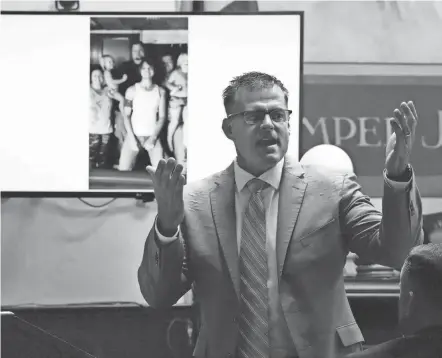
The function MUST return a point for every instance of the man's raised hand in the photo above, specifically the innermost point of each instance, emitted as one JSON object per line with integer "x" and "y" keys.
{"x": 168, "y": 183}
{"x": 400, "y": 143}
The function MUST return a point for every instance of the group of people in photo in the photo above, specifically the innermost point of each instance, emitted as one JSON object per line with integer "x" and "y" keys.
{"x": 138, "y": 110}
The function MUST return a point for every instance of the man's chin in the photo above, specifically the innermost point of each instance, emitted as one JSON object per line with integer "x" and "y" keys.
{"x": 272, "y": 157}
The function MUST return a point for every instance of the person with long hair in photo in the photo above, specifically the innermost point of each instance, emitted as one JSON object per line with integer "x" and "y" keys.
{"x": 177, "y": 85}
{"x": 100, "y": 119}
{"x": 144, "y": 117}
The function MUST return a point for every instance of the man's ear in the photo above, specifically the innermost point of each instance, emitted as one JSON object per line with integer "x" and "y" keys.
{"x": 227, "y": 128}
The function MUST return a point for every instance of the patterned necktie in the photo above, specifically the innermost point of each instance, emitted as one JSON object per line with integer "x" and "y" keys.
{"x": 254, "y": 321}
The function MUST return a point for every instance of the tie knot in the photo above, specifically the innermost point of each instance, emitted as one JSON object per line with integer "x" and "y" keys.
{"x": 256, "y": 185}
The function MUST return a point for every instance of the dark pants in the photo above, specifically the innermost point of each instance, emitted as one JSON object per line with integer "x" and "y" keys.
{"x": 99, "y": 150}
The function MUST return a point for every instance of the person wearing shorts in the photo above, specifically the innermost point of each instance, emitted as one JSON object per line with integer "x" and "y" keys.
{"x": 144, "y": 117}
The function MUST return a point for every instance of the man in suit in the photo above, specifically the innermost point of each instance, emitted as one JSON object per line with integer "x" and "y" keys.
{"x": 264, "y": 242}
{"x": 420, "y": 308}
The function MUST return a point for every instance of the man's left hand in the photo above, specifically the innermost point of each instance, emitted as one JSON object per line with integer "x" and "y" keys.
{"x": 400, "y": 143}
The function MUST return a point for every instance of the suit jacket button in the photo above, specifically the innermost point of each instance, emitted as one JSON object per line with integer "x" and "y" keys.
{"x": 156, "y": 258}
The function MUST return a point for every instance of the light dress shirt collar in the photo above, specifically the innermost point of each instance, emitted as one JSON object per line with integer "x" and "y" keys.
{"x": 271, "y": 176}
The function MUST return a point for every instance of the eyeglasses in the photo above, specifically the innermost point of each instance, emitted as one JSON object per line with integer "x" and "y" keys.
{"x": 277, "y": 115}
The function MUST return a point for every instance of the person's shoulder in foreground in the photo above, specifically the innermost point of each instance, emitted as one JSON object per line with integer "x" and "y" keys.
{"x": 424, "y": 344}
{"x": 420, "y": 308}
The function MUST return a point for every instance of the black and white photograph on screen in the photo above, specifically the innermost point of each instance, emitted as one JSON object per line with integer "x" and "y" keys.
{"x": 138, "y": 94}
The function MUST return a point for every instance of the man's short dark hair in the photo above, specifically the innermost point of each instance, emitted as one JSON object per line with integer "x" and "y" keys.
{"x": 253, "y": 81}
{"x": 137, "y": 43}
{"x": 423, "y": 267}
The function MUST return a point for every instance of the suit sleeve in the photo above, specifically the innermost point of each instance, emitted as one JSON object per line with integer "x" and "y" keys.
{"x": 163, "y": 275}
{"x": 384, "y": 238}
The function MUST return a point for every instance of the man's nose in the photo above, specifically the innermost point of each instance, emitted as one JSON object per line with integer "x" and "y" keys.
{"x": 267, "y": 122}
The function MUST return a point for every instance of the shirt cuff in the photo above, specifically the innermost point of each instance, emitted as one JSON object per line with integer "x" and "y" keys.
{"x": 398, "y": 185}
{"x": 164, "y": 239}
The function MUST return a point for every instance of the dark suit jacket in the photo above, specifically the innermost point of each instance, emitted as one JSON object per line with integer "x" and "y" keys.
{"x": 423, "y": 344}
{"x": 322, "y": 215}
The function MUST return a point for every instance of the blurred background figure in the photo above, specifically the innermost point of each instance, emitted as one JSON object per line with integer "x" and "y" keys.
{"x": 420, "y": 308}
{"x": 433, "y": 228}
{"x": 329, "y": 156}
{"x": 336, "y": 159}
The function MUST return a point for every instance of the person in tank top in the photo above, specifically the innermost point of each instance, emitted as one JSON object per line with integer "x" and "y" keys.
{"x": 144, "y": 117}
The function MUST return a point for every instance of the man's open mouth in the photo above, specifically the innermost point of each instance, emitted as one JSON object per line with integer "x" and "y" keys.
{"x": 268, "y": 141}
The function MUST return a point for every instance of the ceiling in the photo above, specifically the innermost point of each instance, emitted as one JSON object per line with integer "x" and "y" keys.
{"x": 138, "y": 23}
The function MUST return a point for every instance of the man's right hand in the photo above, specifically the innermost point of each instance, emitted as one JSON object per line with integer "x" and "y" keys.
{"x": 168, "y": 183}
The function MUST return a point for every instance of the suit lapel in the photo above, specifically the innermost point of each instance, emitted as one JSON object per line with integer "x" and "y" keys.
{"x": 291, "y": 195}
{"x": 222, "y": 199}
